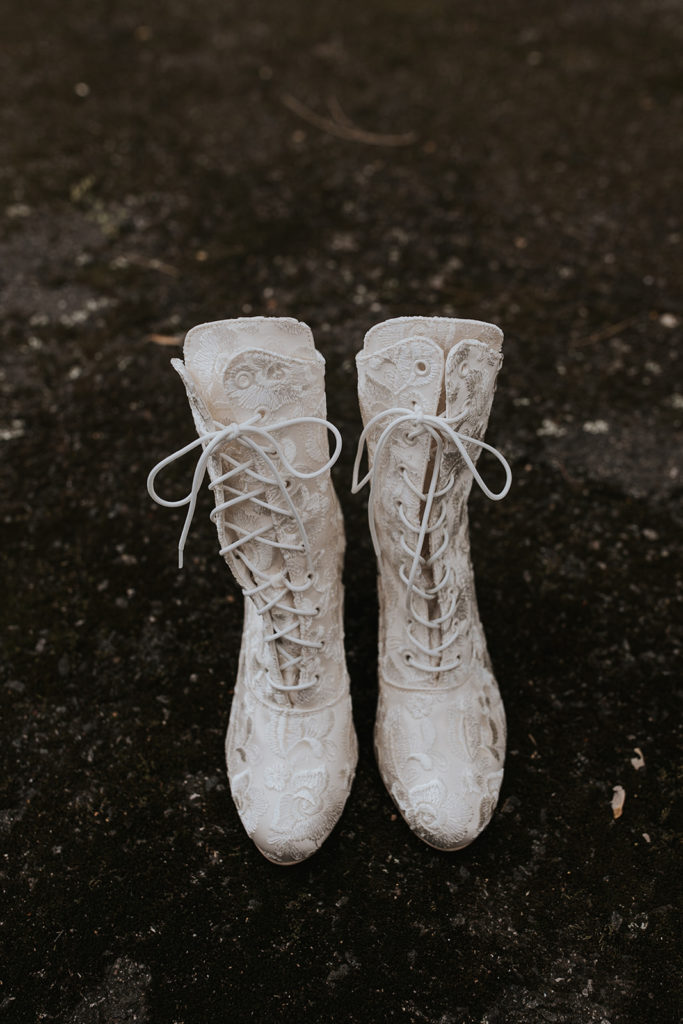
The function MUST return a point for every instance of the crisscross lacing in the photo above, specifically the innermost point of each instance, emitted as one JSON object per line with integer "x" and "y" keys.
{"x": 262, "y": 445}
{"x": 442, "y": 432}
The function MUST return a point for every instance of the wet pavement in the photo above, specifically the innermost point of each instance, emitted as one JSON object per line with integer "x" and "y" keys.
{"x": 166, "y": 164}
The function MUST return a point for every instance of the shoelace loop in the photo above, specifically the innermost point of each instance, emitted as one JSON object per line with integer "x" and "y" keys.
{"x": 442, "y": 431}
{"x": 262, "y": 443}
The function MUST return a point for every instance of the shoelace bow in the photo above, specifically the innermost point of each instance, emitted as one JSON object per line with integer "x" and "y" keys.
{"x": 263, "y": 445}
{"x": 442, "y": 431}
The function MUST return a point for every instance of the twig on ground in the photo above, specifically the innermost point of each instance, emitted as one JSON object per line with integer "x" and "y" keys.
{"x": 164, "y": 339}
{"x": 607, "y": 332}
{"x": 342, "y": 127}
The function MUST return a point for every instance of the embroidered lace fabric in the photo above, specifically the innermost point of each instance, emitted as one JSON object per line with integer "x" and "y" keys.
{"x": 255, "y": 439}
{"x": 441, "y": 431}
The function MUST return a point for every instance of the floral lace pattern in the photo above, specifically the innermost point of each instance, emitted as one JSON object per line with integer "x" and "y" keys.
{"x": 428, "y": 741}
{"x": 290, "y": 771}
{"x": 439, "y": 736}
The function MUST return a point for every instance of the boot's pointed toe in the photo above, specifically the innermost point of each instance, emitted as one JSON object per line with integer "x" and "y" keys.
{"x": 290, "y": 772}
{"x": 308, "y": 805}
{"x": 441, "y": 756}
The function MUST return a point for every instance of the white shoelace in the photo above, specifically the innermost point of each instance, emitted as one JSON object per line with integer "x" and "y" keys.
{"x": 262, "y": 444}
{"x": 442, "y": 431}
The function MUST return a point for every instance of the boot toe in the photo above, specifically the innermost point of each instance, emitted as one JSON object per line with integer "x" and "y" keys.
{"x": 441, "y": 757}
{"x": 290, "y": 776}
{"x": 446, "y": 816}
{"x": 293, "y": 811}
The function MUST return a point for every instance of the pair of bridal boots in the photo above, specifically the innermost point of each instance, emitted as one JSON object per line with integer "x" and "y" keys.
{"x": 256, "y": 391}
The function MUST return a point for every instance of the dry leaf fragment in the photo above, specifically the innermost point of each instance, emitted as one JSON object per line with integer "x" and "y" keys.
{"x": 164, "y": 339}
{"x": 639, "y": 761}
{"x": 618, "y": 799}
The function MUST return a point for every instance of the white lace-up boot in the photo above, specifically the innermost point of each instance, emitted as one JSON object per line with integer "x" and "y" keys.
{"x": 256, "y": 390}
{"x": 425, "y": 389}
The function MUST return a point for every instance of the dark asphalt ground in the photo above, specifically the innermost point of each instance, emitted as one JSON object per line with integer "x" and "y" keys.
{"x": 158, "y": 169}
